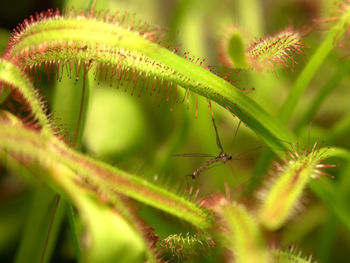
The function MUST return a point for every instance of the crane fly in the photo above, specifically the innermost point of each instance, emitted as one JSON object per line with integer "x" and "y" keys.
{"x": 222, "y": 157}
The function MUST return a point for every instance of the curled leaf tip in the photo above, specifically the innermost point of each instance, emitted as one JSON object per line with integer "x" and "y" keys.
{"x": 276, "y": 50}
{"x": 22, "y": 98}
{"x": 291, "y": 176}
{"x": 263, "y": 54}
{"x": 232, "y": 49}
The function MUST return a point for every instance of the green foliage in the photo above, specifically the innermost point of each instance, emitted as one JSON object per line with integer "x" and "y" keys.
{"x": 114, "y": 213}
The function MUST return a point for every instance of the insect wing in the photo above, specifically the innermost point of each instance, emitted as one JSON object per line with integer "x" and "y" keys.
{"x": 235, "y": 157}
{"x": 193, "y": 155}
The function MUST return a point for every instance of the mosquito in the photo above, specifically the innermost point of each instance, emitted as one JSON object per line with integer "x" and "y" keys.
{"x": 223, "y": 157}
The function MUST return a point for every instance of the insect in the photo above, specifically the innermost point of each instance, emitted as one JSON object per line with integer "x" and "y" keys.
{"x": 222, "y": 157}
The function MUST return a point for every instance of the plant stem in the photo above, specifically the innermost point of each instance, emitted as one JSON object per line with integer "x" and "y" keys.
{"x": 324, "y": 93}
{"x": 38, "y": 239}
{"x": 82, "y": 109}
{"x": 50, "y": 228}
{"x": 309, "y": 71}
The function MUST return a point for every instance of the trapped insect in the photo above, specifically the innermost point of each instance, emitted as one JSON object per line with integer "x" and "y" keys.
{"x": 222, "y": 157}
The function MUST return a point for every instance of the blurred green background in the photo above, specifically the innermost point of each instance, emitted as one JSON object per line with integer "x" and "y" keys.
{"x": 139, "y": 137}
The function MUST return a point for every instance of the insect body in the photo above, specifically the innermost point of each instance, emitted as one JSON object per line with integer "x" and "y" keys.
{"x": 223, "y": 157}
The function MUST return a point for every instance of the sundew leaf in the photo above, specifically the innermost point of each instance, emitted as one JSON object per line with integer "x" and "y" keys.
{"x": 264, "y": 53}
{"x": 106, "y": 179}
{"x": 11, "y": 76}
{"x": 120, "y": 49}
{"x": 59, "y": 42}
{"x": 243, "y": 236}
{"x": 274, "y": 50}
{"x": 179, "y": 247}
{"x": 103, "y": 225}
{"x": 109, "y": 237}
{"x": 292, "y": 177}
{"x": 323, "y": 188}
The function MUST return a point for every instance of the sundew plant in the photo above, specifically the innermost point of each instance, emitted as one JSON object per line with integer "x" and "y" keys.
{"x": 106, "y": 128}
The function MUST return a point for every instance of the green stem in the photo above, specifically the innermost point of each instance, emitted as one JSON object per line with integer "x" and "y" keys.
{"x": 305, "y": 77}
{"x": 82, "y": 114}
{"x": 73, "y": 224}
{"x": 48, "y": 235}
{"x": 41, "y": 230}
{"x": 324, "y": 93}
